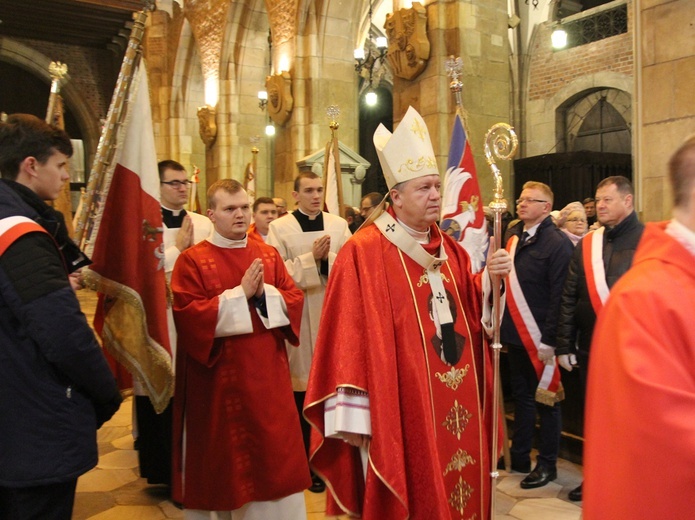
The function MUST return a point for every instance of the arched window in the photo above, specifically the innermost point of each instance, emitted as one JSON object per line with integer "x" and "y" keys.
{"x": 599, "y": 122}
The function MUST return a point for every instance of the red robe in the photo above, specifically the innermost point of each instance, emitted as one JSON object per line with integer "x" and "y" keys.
{"x": 377, "y": 336}
{"x": 233, "y": 394}
{"x": 254, "y": 234}
{"x": 640, "y": 433}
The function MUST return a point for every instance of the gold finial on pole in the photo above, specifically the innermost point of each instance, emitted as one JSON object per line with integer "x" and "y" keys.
{"x": 58, "y": 71}
{"x": 454, "y": 69}
{"x": 500, "y": 143}
{"x": 254, "y": 143}
{"x": 333, "y": 113}
{"x": 332, "y": 181}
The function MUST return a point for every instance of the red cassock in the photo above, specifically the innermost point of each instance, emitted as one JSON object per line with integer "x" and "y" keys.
{"x": 639, "y": 458}
{"x": 429, "y": 452}
{"x": 233, "y": 394}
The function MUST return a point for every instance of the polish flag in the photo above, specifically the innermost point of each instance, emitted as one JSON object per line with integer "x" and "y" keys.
{"x": 128, "y": 255}
{"x": 462, "y": 207}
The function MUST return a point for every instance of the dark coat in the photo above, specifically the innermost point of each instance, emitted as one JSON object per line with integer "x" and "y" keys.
{"x": 577, "y": 317}
{"x": 541, "y": 266}
{"x": 56, "y": 388}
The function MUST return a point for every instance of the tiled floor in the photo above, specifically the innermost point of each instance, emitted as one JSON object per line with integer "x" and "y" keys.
{"x": 114, "y": 491}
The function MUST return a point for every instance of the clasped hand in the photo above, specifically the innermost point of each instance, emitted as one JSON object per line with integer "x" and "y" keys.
{"x": 252, "y": 281}
{"x": 184, "y": 238}
{"x": 321, "y": 247}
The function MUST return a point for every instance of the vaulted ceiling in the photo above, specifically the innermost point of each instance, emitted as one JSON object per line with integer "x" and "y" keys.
{"x": 91, "y": 23}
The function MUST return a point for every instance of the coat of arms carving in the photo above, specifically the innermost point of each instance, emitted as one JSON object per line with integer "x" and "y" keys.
{"x": 409, "y": 48}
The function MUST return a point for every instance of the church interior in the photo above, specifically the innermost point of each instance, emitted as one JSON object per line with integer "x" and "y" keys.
{"x": 592, "y": 88}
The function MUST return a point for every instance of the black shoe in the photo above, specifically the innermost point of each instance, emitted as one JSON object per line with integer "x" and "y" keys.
{"x": 539, "y": 477}
{"x": 576, "y": 494}
{"x": 317, "y": 485}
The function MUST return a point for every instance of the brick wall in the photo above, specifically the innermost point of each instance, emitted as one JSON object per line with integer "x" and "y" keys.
{"x": 92, "y": 71}
{"x": 551, "y": 70}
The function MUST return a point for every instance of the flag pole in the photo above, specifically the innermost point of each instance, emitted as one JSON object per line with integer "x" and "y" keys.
{"x": 54, "y": 117}
{"x": 193, "y": 196}
{"x": 332, "y": 148}
{"x": 254, "y": 165}
{"x": 500, "y": 143}
{"x": 106, "y": 149}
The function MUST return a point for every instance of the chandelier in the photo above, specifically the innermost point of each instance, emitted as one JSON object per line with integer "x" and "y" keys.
{"x": 369, "y": 60}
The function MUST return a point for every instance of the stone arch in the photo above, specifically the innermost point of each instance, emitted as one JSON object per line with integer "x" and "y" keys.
{"x": 579, "y": 88}
{"x": 573, "y": 113}
{"x": 37, "y": 63}
{"x": 544, "y": 126}
{"x": 244, "y": 62}
{"x": 187, "y": 93}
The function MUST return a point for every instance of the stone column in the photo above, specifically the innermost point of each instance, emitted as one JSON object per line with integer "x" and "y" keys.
{"x": 475, "y": 30}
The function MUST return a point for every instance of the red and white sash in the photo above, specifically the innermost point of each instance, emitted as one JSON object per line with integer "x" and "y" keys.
{"x": 592, "y": 256}
{"x": 11, "y": 228}
{"x": 549, "y": 389}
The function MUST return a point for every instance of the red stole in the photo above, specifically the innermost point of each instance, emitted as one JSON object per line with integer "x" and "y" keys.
{"x": 549, "y": 389}
{"x": 592, "y": 256}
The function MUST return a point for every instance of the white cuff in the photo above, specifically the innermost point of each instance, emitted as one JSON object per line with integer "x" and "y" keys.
{"x": 276, "y": 307}
{"x": 233, "y": 316}
{"x": 171, "y": 254}
{"x": 347, "y": 412}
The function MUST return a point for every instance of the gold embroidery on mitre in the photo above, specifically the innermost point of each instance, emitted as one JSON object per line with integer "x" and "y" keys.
{"x": 454, "y": 377}
{"x": 416, "y": 166}
{"x": 461, "y": 495}
{"x": 459, "y": 460}
{"x": 457, "y": 419}
{"x": 418, "y": 129}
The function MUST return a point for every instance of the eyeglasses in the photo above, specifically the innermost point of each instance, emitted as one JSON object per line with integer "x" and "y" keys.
{"x": 521, "y": 201}
{"x": 177, "y": 184}
{"x": 576, "y": 220}
{"x": 366, "y": 209}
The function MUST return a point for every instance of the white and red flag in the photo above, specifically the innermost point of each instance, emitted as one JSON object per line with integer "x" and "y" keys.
{"x": 125, "y": 245}
{"x": 332, "y": 181}
{"x": 462, "y": 209}
{"x": 250, "y": 180}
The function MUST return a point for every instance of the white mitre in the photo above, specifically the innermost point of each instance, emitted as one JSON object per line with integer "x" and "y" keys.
{"x": 407, "y": 153}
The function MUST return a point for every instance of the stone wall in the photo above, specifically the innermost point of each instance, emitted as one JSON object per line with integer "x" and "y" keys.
{"x": 666, "y": 112}
{"x": 555, "y": 76}
{"x": 476, "y": 31}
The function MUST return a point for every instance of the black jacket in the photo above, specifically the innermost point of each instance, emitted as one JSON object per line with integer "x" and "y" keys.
{"x": 56, "y": 388}
{"x": 541, "y": 266}
{"x": 577, "y": 317}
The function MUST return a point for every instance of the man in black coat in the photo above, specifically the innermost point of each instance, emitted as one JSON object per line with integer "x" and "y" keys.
{"x": 588, "y": 283}
{"x": 541, "y": 253}
{"x": 56, "y": 388}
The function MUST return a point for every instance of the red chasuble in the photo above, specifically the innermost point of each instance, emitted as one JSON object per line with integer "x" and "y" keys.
{"x": 429, "y": 453}
{"x": 640, "y": 433}
{"x": 233, "y": 395}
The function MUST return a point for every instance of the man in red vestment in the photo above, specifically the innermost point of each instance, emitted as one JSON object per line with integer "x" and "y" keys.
{"x": 264, "y": 212}
{"x": 237, "y": 441}
{"x": 399, "y": 392}
{"x": 640, "y": 433}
